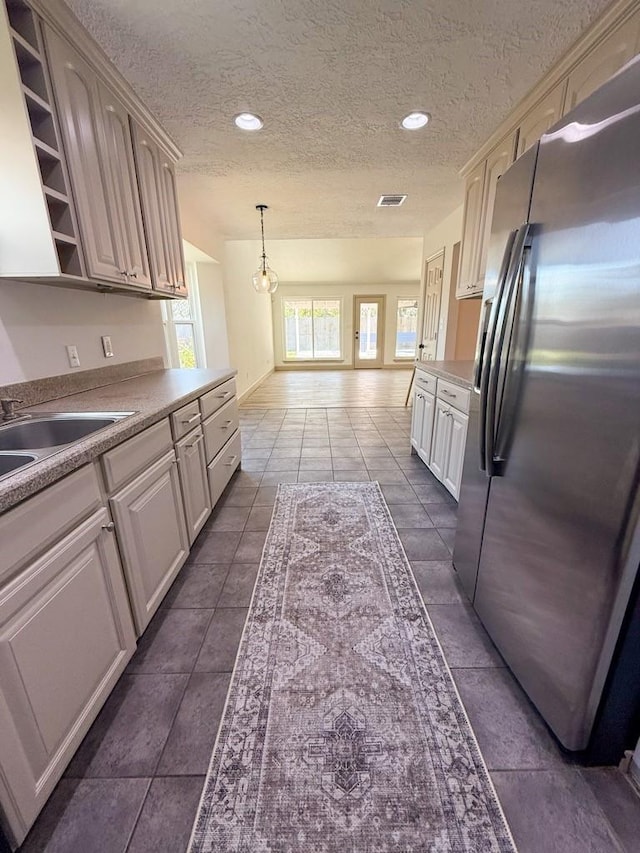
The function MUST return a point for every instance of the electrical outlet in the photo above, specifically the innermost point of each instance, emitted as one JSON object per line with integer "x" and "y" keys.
{"x": 72, "y": 355}
{"x": 106, "y": 346}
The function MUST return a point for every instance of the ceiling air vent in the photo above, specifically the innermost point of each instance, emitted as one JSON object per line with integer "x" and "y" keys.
{"x": 391, "y": 200}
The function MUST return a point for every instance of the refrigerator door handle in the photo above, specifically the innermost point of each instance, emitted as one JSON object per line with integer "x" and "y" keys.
{"x": 519, "y": 337}
{"x": 483, "y": 363}
{"x": 495, "y": 358}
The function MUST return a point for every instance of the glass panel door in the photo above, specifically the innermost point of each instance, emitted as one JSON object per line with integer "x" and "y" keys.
{"x": 368, "y": 331}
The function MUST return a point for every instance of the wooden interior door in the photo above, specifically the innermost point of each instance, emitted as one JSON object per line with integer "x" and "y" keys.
{"x": 368, "y": 328}
{"x": 432, "y": 302}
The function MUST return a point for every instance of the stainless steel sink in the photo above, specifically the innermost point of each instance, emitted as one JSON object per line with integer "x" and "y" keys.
{"x": 50, "y": 432}
{"x": 46, "y": 433}
{"x": 12, "y": 461}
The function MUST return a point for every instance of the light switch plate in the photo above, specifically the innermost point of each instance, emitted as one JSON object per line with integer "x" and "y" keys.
{"x": 72, "y": 355}
{"x": 106, "y": 346}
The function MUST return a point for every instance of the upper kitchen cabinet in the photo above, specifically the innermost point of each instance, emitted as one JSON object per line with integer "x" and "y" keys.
{"x": 156, "y": 177}
{"x": 597, "y": 55}
{"x": 498, "y": 162}
{"x": 38, "y": 229}
{"x": 468, "y": 279}
{"x": 603, "y": 61}
{"x": 86, "y": 214}
{"x": 480, "y": 195}
{"x": 100, "y": 159}
{"x": 540, "y": 118}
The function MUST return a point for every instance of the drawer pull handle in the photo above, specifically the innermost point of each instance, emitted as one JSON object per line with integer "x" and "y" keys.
{"x": 223, "y": 396}
{"x": 231, "y": 461}
{"x": 194, "y": 443}
{"x": 226, "y": 425}
{"x": 110, "y": 527}
{"x": 448, "y": 393}
{"x": 190, "y": 420}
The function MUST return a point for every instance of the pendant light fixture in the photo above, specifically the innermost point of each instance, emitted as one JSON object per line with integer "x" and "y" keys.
{"x": 264, "y": 279}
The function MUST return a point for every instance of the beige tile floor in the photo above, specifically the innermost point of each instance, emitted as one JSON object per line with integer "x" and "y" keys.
{"x": 331, "y": 388}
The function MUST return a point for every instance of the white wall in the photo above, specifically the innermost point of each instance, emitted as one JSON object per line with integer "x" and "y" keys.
{"x": 392, "y": 291}
{"x": 212, "y": 307}
{"x": 444, "y": 235}
{"x": 248, "y": 314}
{"x": 37, "y": 321}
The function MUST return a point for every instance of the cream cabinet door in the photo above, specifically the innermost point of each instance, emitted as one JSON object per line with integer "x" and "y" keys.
{"x": 426, "y": 431}
{"x": 468, "y": 279}
{"x": 152, "y": 535}
{"x": 194, "y": 481}
{"x": 603, "y": 61}
{"x": 174, "y": 234}
{"x": 441, "y": 440}
{"x": 66, "y": 635}
{"x": 452, "y": 474}
{"x": 497, "y": 164}
{"x": 417, "y": 418}
{"x": 118, "y": 157}
{"x": 76, "y": 92}
{"x": 539, "y": 119}
{"x": 149, "y": 168}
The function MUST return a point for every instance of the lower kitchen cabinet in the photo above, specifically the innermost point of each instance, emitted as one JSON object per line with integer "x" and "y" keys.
{"x": 192, "y": 463}
{"x": 66, "y": 635}
{"x": 422, "y": 423}
{"x": 447, "y": 447}
{"x": 439, "y": 427}
{"x": 152, "y": 534}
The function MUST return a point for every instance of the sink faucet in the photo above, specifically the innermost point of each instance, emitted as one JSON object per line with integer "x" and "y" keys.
{"x": 8, "y": 409}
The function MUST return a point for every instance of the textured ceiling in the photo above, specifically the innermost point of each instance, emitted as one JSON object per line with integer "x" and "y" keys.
{"x": 331, "y": 80}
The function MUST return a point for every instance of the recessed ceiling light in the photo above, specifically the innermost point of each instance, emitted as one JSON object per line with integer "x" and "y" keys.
{"x": 416, "y": 120}
{"x": 248, "y": 121}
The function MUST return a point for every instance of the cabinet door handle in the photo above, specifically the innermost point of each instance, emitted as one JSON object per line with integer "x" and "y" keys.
{"x": 109, "y": 527}
{"x": 231, "y": 461}
{"x": 190, "y": 420}
{"x": 194, "y": 443}
{"x": 132, "y": 274}
{"x": 226, "y": 425}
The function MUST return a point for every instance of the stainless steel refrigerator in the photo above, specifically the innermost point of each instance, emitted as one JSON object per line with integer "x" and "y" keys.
{"x": 548, "y": 541}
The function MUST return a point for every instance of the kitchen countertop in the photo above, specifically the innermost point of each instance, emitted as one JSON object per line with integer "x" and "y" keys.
{"x": 458, "y": 372}
{"x": 151, "y": 396}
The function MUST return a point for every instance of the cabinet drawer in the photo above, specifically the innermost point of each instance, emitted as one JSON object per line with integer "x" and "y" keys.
{"x": 29, "y": 528}
{"x": 131, "y": 457}
{"x": 217, "y": 397}
{"x": 426, "y": 381}
{"x": 185, "y": 419}
{"x": 454, "y": 395}
{"x": 223, "y": 466}
{"x": 220, "y": 427}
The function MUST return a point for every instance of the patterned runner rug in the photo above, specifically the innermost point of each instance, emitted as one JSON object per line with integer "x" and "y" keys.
{"x": 343, "y": 731}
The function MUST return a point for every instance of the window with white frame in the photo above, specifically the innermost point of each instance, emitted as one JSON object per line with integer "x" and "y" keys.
{"x": 183, "y": 326}
{"x": 312, "y": 328}
{"x": 406, "y": 328}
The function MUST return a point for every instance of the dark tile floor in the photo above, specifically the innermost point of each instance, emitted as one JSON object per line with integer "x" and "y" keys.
{"x": 135, "y": 782}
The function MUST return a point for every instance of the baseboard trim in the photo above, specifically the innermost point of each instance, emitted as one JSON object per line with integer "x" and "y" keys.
{"x": 242, "y": 397}
{"x": 329, "y": 366}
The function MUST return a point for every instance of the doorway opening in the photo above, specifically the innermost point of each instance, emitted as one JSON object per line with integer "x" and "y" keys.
{"x": 368, "y": 323}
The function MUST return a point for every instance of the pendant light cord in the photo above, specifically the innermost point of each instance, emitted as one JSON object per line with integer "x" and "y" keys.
{"x": 264, "y": 254}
